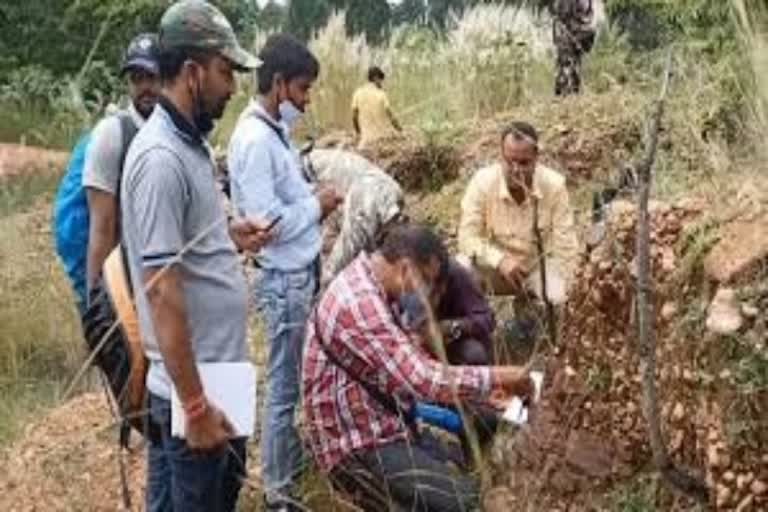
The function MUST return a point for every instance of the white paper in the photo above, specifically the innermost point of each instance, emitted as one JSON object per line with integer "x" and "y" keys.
{"x": 516, "y": 412}
{"x": 231, "y": 387}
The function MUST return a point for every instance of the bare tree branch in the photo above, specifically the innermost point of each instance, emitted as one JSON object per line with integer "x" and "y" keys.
{"x": 550, "y": 308}
{"x": 671, "y": 474}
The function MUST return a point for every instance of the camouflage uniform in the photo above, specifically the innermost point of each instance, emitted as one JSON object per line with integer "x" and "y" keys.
{"x": 372, "y": 199}
{"x": 573, "y": 36}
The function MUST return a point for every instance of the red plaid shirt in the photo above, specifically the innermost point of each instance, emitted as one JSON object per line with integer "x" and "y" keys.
{"x": 356, "y": 323}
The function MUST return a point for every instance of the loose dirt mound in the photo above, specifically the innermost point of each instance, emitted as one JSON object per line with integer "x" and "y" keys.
{"x": 591, "y": 433}
{"x": 68, "y": 461}
{"x": 415, "y": 165}
{"x": 16, "y": 159}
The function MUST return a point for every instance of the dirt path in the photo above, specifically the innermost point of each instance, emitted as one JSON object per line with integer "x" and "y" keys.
{"x": 17, "y": 159}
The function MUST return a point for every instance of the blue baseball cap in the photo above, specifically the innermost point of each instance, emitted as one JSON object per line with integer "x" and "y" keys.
{"x": 142, "y": 54}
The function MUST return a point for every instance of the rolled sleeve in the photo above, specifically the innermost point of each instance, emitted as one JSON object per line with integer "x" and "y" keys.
{"x": 158, "y": 195}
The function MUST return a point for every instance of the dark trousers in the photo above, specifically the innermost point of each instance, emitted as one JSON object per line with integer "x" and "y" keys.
{"x": 180, "y": 480}
{"x": 403, "y": 476}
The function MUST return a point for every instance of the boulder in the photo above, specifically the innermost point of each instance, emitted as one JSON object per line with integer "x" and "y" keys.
{"x": 742, "y": 246}
{"x": 724, "y": 313}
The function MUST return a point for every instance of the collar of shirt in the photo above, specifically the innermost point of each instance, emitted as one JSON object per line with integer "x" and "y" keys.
{"x": 255, "y": 108}
{"x": 183, "y": 127}
{"x": 535, "y": 186}
{"x": 137, "y": 118}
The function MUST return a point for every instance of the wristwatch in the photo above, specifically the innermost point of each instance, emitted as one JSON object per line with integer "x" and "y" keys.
{"x": 454, "y": 330}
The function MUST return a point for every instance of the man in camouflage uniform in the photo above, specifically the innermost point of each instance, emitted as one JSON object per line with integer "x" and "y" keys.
{"x": 372, "y": 201}
{"x": 573, "y": 34}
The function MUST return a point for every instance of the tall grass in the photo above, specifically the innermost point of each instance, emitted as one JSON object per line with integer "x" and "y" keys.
{"x": 491, "y": 58}
{"x": 40, "y": 341}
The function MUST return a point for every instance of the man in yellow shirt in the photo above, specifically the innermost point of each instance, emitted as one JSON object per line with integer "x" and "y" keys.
{"x": 496, "y": 231}
{"x": 371, "y": 114}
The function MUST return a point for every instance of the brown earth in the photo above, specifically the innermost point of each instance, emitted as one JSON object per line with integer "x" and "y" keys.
{"x": 590, "y": 434}
{"x": 17, "y": 159}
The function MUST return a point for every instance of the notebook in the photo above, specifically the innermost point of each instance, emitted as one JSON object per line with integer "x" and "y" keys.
{"x": 231, "y": 387}
{"x": 516, "y": 412}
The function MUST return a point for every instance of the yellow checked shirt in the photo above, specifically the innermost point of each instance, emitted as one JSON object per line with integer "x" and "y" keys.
{"x": 494, "y": 224}
{"x": 372, "y": 105}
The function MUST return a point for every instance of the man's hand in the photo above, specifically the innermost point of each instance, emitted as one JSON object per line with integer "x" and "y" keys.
{"x": 509, "y": 381}
{"x": 329, "y": 199}
{"x": 250, "y": 235}
{"x": 511, "y": 269}
{"x": 209, "y": 432}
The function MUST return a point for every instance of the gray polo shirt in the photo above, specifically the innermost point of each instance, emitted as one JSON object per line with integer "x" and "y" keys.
{"x": 172, "y": 215}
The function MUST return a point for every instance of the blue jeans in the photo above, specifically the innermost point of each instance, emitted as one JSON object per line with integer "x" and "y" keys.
{"x": 285, "y": 300}
{"x": 179, "y": 480}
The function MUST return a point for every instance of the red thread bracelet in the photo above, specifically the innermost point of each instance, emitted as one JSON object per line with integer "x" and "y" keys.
{"x": 196, "y": 408}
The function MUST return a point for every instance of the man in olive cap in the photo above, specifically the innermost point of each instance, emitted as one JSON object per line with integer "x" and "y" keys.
{"x": 189, "y": 287}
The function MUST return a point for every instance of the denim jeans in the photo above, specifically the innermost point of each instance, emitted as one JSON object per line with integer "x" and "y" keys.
{"x": 179, "y": 480}
{"x": 285, "y": 300}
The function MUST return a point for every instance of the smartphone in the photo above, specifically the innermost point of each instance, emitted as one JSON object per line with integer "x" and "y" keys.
{"x": 274, "y": 223}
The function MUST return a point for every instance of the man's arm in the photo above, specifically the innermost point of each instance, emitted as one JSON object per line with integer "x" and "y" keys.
{"x": 565, "y": 244}
{"x": 395, "y": 365}
{"x": 157, "y": 198}
{"x": 101, "y": 173}
{"x": 393, "y": 120}
{"x": 252, "y": 168}
{"x": 474, "y": 242}
{"x": 166, "y": 299}
{"x": 356, "y": 120}
{"x": 465, "y": 303}
{"x": 102, "y": 232}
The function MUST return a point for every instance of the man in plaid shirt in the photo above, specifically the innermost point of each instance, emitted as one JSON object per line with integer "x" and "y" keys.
{"x": 362, "y": 372}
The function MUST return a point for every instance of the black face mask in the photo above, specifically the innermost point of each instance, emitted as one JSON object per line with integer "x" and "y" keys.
{"x": 202, "y": 118}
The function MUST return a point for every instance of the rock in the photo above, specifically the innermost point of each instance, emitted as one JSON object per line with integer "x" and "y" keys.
{"x": 749, "y": 311}
{"x": 723, "y": 496}
{"x": 745, "y": 503}
{"x": 743, "y": 480}
{"x": 742, "y": 246}
{"x": 714, "y": 459}
{"x": 498, "y": 499}
{"x": 678, "y": 413}
{"x": 589, "y": 454}
{"x": 726, "y": 375}
{"x": 724, "y": 315}
{"x": 729, "y": 476}
{"x": 759, "y": 488}
{"x": 668, "y": 310}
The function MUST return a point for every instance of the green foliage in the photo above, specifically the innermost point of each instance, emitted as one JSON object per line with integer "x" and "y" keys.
{"x": 305, "y": 16}
{"x": 653, "y": 23}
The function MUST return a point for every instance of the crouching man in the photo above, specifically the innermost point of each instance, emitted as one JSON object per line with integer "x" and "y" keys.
{"x": 362, "y": 373}
{"x": 504, "y": 207}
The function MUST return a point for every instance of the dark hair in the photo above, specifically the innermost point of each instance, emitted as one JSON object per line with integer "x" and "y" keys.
{"x": 170, "y": 60}
{"x": 417, "y": 243}
{"x": 284, "y": 54}
{"x": 375, "y": 73}
{"x": 521, "y": 131}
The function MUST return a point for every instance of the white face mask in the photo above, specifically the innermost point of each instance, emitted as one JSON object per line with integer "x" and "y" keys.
{"x": 289, "y": 114}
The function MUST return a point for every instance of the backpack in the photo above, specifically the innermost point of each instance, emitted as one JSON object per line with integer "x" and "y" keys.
{"x": 107, "y": 312}
{"x": 71, "y": 221}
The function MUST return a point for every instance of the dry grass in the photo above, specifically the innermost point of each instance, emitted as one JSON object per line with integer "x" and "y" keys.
{"x": 40, "y": 340}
